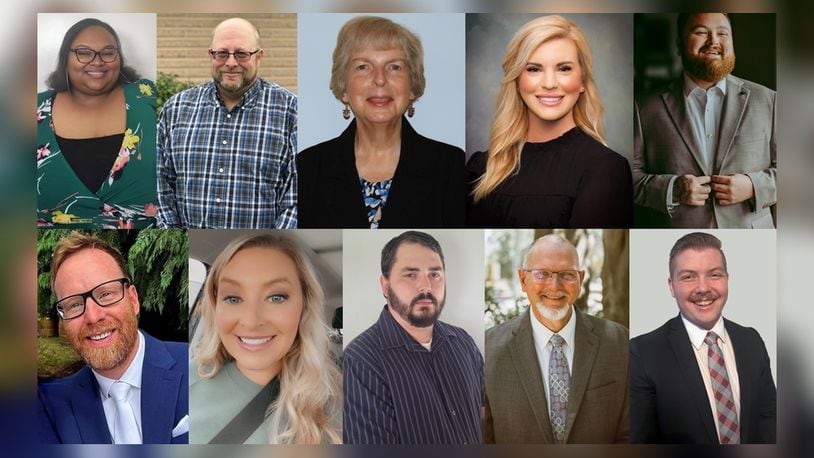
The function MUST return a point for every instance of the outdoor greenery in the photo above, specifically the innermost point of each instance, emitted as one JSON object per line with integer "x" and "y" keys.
{"x": 168, "y": 85}
{"x": 55, "y": 358}
{"x": 156, "y": 263}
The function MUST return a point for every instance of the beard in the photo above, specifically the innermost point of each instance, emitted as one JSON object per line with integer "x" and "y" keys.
{"x": 420, "y": 319}
{"x": 116, "y": 352}
{"x": 708, "y": 69}
{"x": 234, "y": 89}
{"x": 552, "y": 314}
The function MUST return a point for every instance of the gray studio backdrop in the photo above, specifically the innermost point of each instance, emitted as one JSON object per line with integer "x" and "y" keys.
{"x": 752, "y": 265}
{"x": 439, "y": 113}
{"x": 610, "y": 37}
{"x": 362, "y": 295}
{"x": 137, "y": 33}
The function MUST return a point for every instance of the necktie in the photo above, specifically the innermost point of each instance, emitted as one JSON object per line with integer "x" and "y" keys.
{"x": 558, "y": 381}
{"x": 125, "y": 429}
{"x": 726, "y": 415}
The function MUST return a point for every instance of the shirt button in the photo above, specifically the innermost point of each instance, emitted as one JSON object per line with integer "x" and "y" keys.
{"x": 220, "y": 170}
{"x": 454, "y": 413}
{"x": 228, "y": 115}
{"x": 224, "y": 142}
{"x": 217, "y": 200}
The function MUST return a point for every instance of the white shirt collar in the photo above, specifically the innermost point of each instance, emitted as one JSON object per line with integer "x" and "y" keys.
{"x": 698, "y": 334}
{"x": 131, "y": 376}
{"x": 690, "y": 86}
{"x": 542, "y": 334}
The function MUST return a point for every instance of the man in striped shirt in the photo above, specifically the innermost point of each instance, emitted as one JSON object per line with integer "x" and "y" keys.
{"x": 409, "y": 378}
{"x": 226, "y": 149}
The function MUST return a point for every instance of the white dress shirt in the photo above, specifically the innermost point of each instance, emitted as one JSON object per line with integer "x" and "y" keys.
{"x": 132, "y": 376}
{"x": 704, "y": 108}
{"x": 697, "y": 336}
{"x": 542, "y": 336}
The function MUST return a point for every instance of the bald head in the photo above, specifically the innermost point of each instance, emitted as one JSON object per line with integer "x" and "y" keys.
{"x": 547, "y": 246}
{"x": 236, "y": 26}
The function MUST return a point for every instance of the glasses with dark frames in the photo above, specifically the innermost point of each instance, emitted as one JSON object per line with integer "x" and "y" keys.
{"x": 105, "y": 294}
{"x": 240, "y": 56}
{"x": 87, "y": 55}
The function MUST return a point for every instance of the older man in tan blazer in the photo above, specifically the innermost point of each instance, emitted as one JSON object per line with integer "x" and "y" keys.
{"x": 704, "y": 149}
{"x": 555, "y": 374}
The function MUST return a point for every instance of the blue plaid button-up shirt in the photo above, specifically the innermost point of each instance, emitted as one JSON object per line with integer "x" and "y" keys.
{"x": 228, "y": 169}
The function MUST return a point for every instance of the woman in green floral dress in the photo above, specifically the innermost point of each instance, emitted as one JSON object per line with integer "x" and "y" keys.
{"x": 96, "y": 129}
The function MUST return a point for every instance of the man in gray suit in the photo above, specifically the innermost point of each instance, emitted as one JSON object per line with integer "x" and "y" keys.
{"x": 704, "y": 149}
{"x": 555, "y": 374}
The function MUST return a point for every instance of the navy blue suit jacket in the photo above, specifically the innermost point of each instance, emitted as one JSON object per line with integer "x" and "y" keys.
{"x": 70, "y": 409}
{"x": 668, "y": 400}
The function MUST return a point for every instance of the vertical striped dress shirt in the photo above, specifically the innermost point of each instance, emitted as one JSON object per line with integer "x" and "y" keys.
{"x": 228, "y": 169}
{"x": 398, "y": 392}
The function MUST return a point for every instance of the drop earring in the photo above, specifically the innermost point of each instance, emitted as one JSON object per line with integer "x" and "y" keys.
{"x": 410, "y": 111}
{"x": 346, "y": 112}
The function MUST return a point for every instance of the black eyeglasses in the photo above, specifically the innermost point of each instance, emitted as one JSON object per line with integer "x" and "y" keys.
{"x": 86, "y": 55}
{"x": 240, "y": 56}
{"x": 106, "y": 294}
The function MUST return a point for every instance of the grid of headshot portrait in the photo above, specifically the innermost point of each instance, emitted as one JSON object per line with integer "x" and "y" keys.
{"x": 563, "y": 228}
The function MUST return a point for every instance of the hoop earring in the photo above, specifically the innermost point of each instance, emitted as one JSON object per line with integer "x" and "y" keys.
{"x": 346, "y": 112}
{"x": 410, "y": 111}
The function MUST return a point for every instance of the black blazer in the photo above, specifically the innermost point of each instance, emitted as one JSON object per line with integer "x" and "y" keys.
{"x": 428, "y": 189}
{"x": 668, "y": 401}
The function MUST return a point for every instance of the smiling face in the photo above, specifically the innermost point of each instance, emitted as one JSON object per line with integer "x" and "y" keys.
{"x": 378, "y": 85}
{"x": 707, "y": 49}
{"x": 550, "y": 85}
{"x": 700, "y": 284}
{"x": 551, "y": 299}
{"x": 258, "y": 307}
{"x": 95, "y": 77}
{"x": 105, "y": 337}
{"x": 234, "y": 78}
{"x": 415, "y": 287}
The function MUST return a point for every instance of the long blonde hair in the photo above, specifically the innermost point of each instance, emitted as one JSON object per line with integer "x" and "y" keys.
{"x": 510, "y": 123}
{"x": 310, "y": 382}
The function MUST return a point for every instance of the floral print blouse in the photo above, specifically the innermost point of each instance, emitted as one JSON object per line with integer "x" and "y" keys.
{"x": 127, "y": 198}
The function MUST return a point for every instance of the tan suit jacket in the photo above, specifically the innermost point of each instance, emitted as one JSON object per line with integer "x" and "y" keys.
{"x": 665, "y": 146}
{"x": 516, "y": 408}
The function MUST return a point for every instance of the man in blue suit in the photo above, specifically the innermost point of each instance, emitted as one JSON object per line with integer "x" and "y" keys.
{"x": 134, "y": 388}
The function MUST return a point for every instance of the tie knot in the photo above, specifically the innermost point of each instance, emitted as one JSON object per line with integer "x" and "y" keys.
{"x": 711, "y": 339}
{"x": 557, "y": 341}
{"x": 119, "y": 390}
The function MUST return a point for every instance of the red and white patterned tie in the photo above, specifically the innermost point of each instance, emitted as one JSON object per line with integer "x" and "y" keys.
{"x": 727, "y": 412}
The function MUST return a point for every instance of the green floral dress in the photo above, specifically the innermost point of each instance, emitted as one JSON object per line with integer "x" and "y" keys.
{"x": 127, "y": 198}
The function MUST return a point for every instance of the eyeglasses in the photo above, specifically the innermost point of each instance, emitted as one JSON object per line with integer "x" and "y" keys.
{"x": 86, "y": 55}
{"x": 106, "y": 294}
{"x": 542, "y": 275}
{"x": 240, "y": 56}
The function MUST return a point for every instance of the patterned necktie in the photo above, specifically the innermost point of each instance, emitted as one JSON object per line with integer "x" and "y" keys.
{"x": 125, "y": 429}
{"x": 727, "y": 415}
{"x": 558, "y": 381}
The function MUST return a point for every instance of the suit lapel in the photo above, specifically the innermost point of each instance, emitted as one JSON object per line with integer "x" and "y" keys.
{"x": 731, "y": 115}
{"x": 688, "y": 367}
{"x": 159, "y": 393}
{"x": 524, "y": 358}
{"x": 86, "y": 406}
{"x": 586, "y": 345}
{"x": 743, "y": 363}
{"x": 676, "y": 106}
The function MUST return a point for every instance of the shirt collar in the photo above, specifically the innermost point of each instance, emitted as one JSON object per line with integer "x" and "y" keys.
{"x": 393, "y": 335}
{"x": 132, "y": 376}
{"x": 248, "y": 97}
{"x": 690, "y": 86}
{"x": 543, "y": 335}
{"x": 698, "y": 334}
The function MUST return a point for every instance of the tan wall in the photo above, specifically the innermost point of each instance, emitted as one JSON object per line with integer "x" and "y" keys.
{"x": 184, "y": 38}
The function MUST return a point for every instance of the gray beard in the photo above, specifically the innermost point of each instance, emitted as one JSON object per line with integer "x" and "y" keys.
{"x": 552, "y": 314}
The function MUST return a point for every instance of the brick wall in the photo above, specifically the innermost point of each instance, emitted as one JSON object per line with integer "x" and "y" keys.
{"x": 184, "y": 38}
